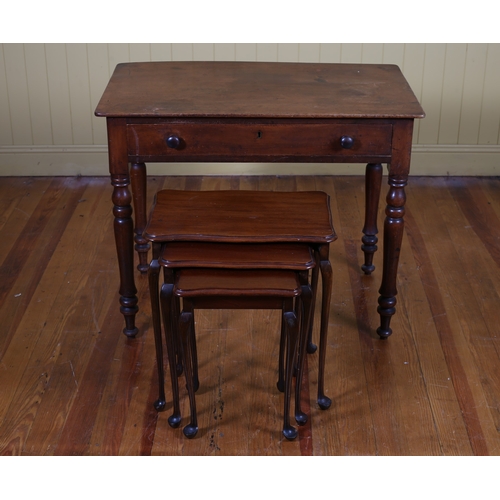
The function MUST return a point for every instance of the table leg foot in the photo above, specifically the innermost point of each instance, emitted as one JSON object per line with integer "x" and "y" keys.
{"x": 369, "y": 247}
{"x": 324, "y": 402}
{"x": 384, "y": 332}
{"x": 368, "y": 268}
{"x": 131, "y": 332}
{"x": 311, "y": 348}
{"x": 290, "y": 433}
{"x": 386, "y": 309}
{"x": 301, "y": 418}
{"x": 190, "y": 431}
{"x": 129, "y": 310}
{"x": 174, "y": 420}
{"x": 160, "y": 404}
{"x": 143, "y": 269}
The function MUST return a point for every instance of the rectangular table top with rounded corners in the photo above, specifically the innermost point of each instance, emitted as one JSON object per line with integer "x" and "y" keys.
{"x": 179, "y": 254}
{"x": 241, "y": 217}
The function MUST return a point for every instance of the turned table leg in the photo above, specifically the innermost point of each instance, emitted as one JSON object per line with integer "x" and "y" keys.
{"x": 139, "y": 193}
{"x": 123, "y": 224}
{"x": 399, "y": 169}
{"x": 124, "y": 229}
{"x": 393, "y": 236}
{"x": 373, "y": 182}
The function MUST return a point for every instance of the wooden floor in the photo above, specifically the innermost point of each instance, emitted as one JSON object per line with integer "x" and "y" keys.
{"x": 72, "y": 384}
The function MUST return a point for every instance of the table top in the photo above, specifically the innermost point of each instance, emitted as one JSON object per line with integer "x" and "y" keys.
{"x": 241, "y": 217}
{"x": 179, "y": 254}
{"x": 216, "y": 89}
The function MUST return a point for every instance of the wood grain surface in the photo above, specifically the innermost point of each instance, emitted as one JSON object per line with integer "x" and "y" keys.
{"x": 72, "y": 384}
{"x": 222, "y": 89}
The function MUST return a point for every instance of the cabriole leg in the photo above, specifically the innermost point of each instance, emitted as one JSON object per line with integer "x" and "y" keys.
{"x": 305, "y": 299}
{"x": 292, "y": 330}
{"x": 170, "y": 333}
{"x": 326, "y": 276}
{"x": 185, "y": 327}
{"x": 311, "y": 347}
{"x": 153, "y": 273}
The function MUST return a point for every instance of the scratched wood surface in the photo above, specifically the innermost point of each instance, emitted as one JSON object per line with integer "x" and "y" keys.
{"x": 72, "y": 384}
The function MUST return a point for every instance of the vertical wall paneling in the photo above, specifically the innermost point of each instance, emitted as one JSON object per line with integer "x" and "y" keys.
{"x": 267, "y": 52}
{"x": 246, "y": 51}
{"x": 79, "y": 93}
{"x": 57, "y": 73}
{"x": 351, "y": 52}
{"x": 182, "y": 52}
{"x": 372, "y": 53}
{"x": 99, "y": 74}
{"x": 309, "y": 52}
{"x": 117, "y": 53}
{"x": 489, "y": 127}
{"x": 472, "y": 97}
{"x": 432, "y": 84}
{"x": 38, "y": 92}
{"x": 288, "y": 52}
{"x": 393, "y": 54}
{"x": 451, "y": 99}
{"x": 203, "y": 52}
{"x": 140, "y": 52}
{"x": 48, "y": 94}
{"x": 161, "y": 51}
{"x": 17, "y": 88}
{"x": 329, "y": 52}
{"x": 5, "y": 122}
{"x": 224, "y": 51}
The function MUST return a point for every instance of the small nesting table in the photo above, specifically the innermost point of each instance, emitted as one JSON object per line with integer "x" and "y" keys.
{"x": 252, "y": 218}
{"x": 250, "y": 289}
{"x": 258, "y": 112}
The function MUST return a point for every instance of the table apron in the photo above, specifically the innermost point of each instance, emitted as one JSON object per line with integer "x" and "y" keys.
{"x": 260, "y": 142}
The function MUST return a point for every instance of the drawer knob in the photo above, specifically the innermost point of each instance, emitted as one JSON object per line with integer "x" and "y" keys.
{"x": 346, "y": 141}
{"x": 173, "y": 142}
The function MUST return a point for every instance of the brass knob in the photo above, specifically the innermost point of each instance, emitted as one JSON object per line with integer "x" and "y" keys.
{"x": 173, "y": 142}
{"x": 346, "y": 141}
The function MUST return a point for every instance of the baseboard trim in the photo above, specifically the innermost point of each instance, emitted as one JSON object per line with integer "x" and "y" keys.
{"x": 450, "y": 160}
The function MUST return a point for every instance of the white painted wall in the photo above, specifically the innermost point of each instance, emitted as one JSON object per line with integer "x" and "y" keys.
{"x": 48, "y": 93}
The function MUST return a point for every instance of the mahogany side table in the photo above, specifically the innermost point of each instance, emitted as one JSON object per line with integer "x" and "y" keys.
{"x": 259, "y": 112}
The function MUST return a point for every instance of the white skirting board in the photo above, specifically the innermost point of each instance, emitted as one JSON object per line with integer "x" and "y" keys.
{"x": 447, "y": 160}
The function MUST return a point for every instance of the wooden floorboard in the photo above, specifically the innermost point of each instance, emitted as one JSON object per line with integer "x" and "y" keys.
{"x": 72, "y": 384}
